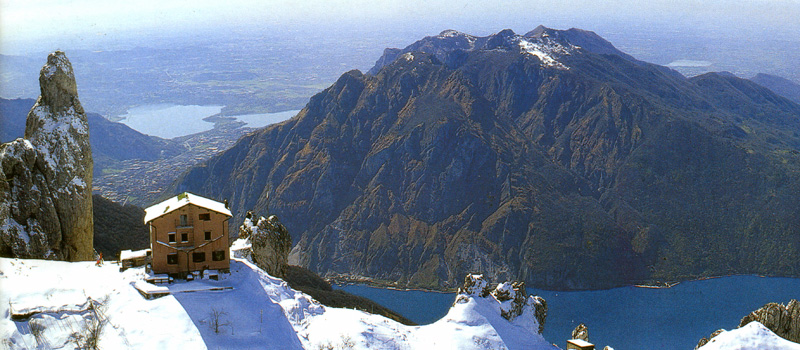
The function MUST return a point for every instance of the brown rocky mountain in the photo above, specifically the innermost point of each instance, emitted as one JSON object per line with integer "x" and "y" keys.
{"x": 46, "y": 178}
{"x": 549, "y": 157}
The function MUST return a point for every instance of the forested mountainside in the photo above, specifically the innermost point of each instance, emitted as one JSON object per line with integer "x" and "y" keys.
{"x": 549, "y": 157}
{"x": 118, "y": 227}
{"x": 779, "y": 85}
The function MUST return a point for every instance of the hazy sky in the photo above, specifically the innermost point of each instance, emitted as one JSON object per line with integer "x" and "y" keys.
{"x": 87, "y": 20}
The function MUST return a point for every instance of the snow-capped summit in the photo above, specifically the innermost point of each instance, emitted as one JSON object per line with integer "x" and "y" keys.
{"x": 510, "y": 299}
{"x": 547, "y": 45}
{"x": 753, "y": 336}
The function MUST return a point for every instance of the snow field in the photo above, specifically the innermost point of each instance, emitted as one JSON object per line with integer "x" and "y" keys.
{"x": 255, "y": 311}
{"x": 753, "y": 336}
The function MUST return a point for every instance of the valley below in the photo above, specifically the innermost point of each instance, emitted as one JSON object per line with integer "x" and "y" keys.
{"x": 141, "y": 182}
{"x": 646, "y": 192}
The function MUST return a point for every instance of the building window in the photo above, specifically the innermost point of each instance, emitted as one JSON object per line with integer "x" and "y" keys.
{"x": 208, "y": 235}
{"x": 184, "y": 237}
{"x": 204, "y": 217}
{"x": 199, "y": 257}
{"x": 171, "y": 237}
{"x": 218, "y": 255}
{"x": 172, "y": 259}
{"x": 184, "y": 221}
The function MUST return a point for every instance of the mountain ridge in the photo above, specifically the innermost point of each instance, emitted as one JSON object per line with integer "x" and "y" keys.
{"x": 519, "y": 163}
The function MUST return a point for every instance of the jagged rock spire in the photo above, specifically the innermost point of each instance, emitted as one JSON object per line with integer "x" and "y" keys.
{"x": 47, "y": 177}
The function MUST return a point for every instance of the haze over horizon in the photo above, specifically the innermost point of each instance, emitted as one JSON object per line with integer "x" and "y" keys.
{"x": 29, "y": 26}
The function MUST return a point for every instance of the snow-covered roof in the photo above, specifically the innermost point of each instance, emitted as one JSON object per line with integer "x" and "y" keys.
{"x": 580, "y": 342}
{"x": 180, "y": 201}
{"x": 132, "y": 254}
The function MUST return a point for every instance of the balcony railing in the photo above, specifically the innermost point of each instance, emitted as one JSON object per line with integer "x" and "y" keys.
{"x": 184, "y": 223}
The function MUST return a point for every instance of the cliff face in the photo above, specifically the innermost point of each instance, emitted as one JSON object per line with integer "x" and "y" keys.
{"x": 564, "y": 164}
{"x": 784, "y": 320}
{"x": 46, "y": 178}
{"x": 773, "y": 321}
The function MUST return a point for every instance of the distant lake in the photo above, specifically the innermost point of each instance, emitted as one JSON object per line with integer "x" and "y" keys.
{"x": 623, "y": 318}
{"x": 170, "y": 120}
{"x": 264, "y": 119}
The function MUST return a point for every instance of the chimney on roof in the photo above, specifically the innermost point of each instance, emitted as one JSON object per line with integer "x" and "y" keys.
{"x": 226, "y": 204}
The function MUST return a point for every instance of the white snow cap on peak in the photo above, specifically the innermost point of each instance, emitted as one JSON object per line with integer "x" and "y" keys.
{"x": 753, "y": 336}
{"x": 547, "y": 50}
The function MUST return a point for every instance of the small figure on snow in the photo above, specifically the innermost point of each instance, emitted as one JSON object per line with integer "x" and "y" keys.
{"x": 99, "y": 260}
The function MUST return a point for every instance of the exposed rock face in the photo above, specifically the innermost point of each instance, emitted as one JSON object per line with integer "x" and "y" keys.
{"x": 783, "y": 320}
{"x": 46, "y": 178}
{"x": 705, "y": 341}
{"x": 581, "y": 332}
{"x": 512, "y": 298}
{"x": 526, "y": 157}
{"x": 270, "y": 244}
{"x": 475, "y": 285}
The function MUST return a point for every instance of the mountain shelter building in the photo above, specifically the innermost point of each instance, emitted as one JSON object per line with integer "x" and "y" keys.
{"x": 188, "y": 233}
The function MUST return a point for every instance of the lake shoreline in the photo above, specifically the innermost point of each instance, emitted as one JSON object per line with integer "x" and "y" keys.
{"x": 171, "y": 121}
{"x": 344, "y": 280}
{"x": 623, "y": 318}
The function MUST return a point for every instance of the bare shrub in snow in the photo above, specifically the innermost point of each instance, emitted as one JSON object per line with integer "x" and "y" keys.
{"x": 216, "y": 320}
{"x": 346, "y": 343}
{"x": 89, "y": 336}
{"x": 36, "y": 328}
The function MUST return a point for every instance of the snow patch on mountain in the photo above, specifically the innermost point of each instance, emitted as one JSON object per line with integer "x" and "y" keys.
{"x": 258, "y": 311}
{"x": 753, "y": 336}
{"x": 548, "y": 51}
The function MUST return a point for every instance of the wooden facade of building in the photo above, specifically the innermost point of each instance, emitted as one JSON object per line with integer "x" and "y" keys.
{"x": 188, "y": 233}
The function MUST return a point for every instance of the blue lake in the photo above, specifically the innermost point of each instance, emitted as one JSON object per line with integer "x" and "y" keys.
{"x": 623, "y": 318}
{"x": 169, "y": 120}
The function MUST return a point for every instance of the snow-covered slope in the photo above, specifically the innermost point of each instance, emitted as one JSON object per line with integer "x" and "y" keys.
{"x": 258, "y": 311}
{"x": 753, "y": 336}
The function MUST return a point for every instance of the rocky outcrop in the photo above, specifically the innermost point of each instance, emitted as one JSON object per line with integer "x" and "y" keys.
{"x": 46, "y": 178}
{"x": 783, "y": 320}
{"x": 269, "y": 244}
{"x": 475, "y": 285}
{"x": 705, "y": 341}
{"x": 512, "y": 298}
{"x": 581, "y": 332}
